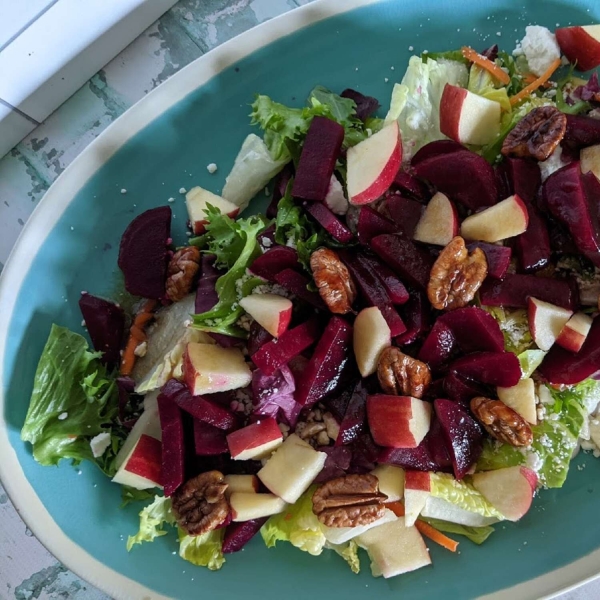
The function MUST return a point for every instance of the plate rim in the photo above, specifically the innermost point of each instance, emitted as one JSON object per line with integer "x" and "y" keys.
{"x": 42, "y": 221}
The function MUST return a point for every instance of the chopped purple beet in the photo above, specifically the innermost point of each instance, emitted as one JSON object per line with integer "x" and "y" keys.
{"x": 416, "y": 314}
{"x": 334, "y": 227}
{"x": 365, "y": 105}
{"x": 206, "y": 293}
{"x": 405, "y": 213}
{"x": 492, "y": 368}
{"x": 354, "y": 422}
{"x": 203, "y": 409}
{"x": 461, "y": 389}
{"x": 126, "y": 387}
{"x": 274, "y": 261}
{"x": 437, "y": 148}
{"x": 257, "y": 338}
{"x": 337, "y": 464}
{"x": 209, "y": 440}
{"x": 372, "y": 223}
{"x": 279, "y": 187}
{"x": 297, "y": 284}
{"x": 411, "y": 186}
{"x": 238, "y": 535}
{"x": 474, "y": 329}
{"x": 439, "y": 346}
{"x": 498, "y": 257}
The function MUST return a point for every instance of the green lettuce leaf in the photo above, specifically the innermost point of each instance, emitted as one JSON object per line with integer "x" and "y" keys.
{"x": 530, "y": 360}
{"x": 298, "y": 525}
{"x": 454, "y": 55}
{"x": 349, "y": 552}
{"x": 477, "y": 535}
{"x": 461, "y": 493}
{"x": 483, "y": 83}
{"x": 514, "y": 325}
{"x": 153, "y": 518}
{"x": 73, "y": 399}
{"x": 129, "y": 495}
{"x": 235, "y": 245}
{"x": 204, "y": 550}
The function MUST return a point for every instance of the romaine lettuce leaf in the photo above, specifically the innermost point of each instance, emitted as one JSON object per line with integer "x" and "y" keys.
{"x": 349, "y": 552}
{"x": 482, "y": 83}
{"x": 204, "y": 550}
{"x": 129, "y": 495}
{"x": 153, "y": 518}
{"x": 477, "y": 535}
{"x": 530, "y": 360}
{"x": 514, "y": 325}
{"x": 461, "y": 493}
{"x": 73, "y": 400}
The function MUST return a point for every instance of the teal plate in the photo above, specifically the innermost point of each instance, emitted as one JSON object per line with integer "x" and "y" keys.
{"x": 164, "y": 143}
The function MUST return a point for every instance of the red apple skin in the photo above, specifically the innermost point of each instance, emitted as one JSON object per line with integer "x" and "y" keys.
{"x": 417, "y": 480}
{"x": 570, "y": 339}
{"x": 252, "y": 436}
{"x": 579, "y": 47}
{"x": 146, "y": 460}
{"x": 285, "y": 316}
{"x": 198, "y": 227}
{"x": 189, "y": 373}
{"x": 531, "y": 477}
{"x": 450, "y": 109}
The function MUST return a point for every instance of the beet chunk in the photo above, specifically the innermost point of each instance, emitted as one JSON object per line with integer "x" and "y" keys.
{"x": 105, "y": 322}
{"x": 416, "y": 317}
{"x": 498, "y": 257}
{"x": 321, "y": 149}
{"x": 581, "y": 132}
{"x": 274, "y": 261}
{"x": 492, "y": 368}
{"x": 474, "y": 329}
{"x": 404, "y": 212}
{"x": 436, "y": 148}
{"x": 143, "y": 255}
{"x": 438, "y": 346}
{"x": 372, "y": 223}
{"x": 297, "y": 284}
{"x": 237, "y": 535}
{"x": 354, "y": 422}
{"x": 365, "y": 105}
{"x": 334, "y": 227}
{"x": 209, "y": 440}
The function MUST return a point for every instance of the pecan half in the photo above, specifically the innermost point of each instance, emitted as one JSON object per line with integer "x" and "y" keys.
{"x": 456, "y": 276}
{"x": 402, "y": 375}
{"x": 537, "y": 134}
{"x": 183, "y": 268}
{"x": 200, "y": 504}
{"x": 502, "y": 422}
{"x": 334, "y": 281}
{"x": 349, "y": 501}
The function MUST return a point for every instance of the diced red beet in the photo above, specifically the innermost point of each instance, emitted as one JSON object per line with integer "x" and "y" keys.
{"x": 463, "y": 435}
{"x": 438, "y": 346}
{"x": 437, "y": 148}
{"x": 463, "y": 176}
{"x": 395, "y": 289}
{"x": 567, "y": 368}
{"x": 204, "y": 410}
{"x": 227, "y": 341}
{"x": 393, "y": 319}
{"x": 297, "y": 284}
{"x": 257, "y": 338}
{"x": 266, "y": 238}
{"x": 364, "y": 454}
{"x": 274, "y": 261}
{"x": 338, "y": 402}
{"x": 143, "y": 255}
{"x": 237, "y": 535}
{"x": 591, "y": 186}
{"x": 410, "y": 185}
{"x": 565, "y": 198}
{"x": 105, "y": 322}
{"x": 320, "y": 151}
{"x": 206, "y": 293}
{"x": 322, "y": 374}
{"x": 410, "y": 262}
{"x": 334, "y": 227}
{"x": 354, "y": 421}
{"x": 416, "y": 317}
{"x": 523, "y": 177}
{"x": 404, "y": 212}
{"x": 372, "y": 223}
{"x": 582, "y": 131}
{"x": 514, "y": 290}
{"x": 460, "y": 389}
{"x": 171, "y": 425}
{"x": 491, "y": 53}
{"x": 337, "y": 463}
{"x": 498, "y": 258}
{"x": 125, "y": 387}
{"x": 492, "y": 368}
{"x": 279, "y": 352}
{"x": 474, "y": 329}
{"x": 209, "y": 440}
{"x": 533, "y": 246}
{"x": 365, "y": 105}
{"x": 279, "y": 187}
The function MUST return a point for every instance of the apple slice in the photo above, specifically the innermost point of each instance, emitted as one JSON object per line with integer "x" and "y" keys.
{"x": 141, "y": 468}
{"x": 509, "y": 490}
{"x": 436, "y": 508}
{"x": 391, "y": 481}
{"x": 439, "y": 223}
{"x": 208, "y": 369}
{"x": 580, "y": 45}
{"x": 291, "y": 470}
{"x": 573, "y": 334}
{"x": 394, "y": 548}
{"x": 590, "y": 160}
{"x": 417, "y": 488}
{"x": 468, "y": 118}
{"x": 248, "y": 506}
{"x": 197, "y": 200}
{"x": 546, "y": 321}
{"x": 341, "y": 535}
{"x": 499, "y": 222}
{"x": 241, "y": 483}
{"x": 255, "y": 441}
{"x": 373, "y": 164}
{"x": 521, "y": 398}
{"x": 398, "y": 421}
{"x": 371, "y": 336}
{"x": 271, "y": 311}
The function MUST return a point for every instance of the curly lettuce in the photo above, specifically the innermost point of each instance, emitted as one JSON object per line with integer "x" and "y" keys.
{"x": 477, "y": 535}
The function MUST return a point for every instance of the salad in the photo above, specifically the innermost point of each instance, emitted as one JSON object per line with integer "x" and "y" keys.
{"x": 402, "y": 348}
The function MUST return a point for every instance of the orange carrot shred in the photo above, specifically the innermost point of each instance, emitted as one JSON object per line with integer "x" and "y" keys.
{"x": 534, "y": 85}
{"x": 486, "y": 63}
{"x": 396, "y": 507}
{"x": 136, "y": 335}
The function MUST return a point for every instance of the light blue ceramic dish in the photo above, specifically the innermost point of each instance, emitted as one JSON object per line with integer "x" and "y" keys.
{"x": 70, "y": 244}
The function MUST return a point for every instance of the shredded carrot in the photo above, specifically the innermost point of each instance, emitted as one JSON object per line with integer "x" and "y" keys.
{"x": 530, "y": 78}
{"x": 136, "y": 336}
{"x": 487, "y": 64}
{"x": 427, "y": 530}
{"x": 534, "y": 85}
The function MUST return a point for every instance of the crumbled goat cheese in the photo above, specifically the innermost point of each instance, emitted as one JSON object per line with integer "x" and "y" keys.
{"x": 544, "y": 395}
{"x": 141, "y": 349}
{"x": 123, "y": 191}
{"x": 100, "y": 443}
{"x": 540, "y": 48}
{"x": 244, "y": 322}
{"x": 171, "y": 199}
{"x": 182, "y": 190}
{"x": 553, "y": 163}
{"x": 211, "y": 168}
{"x": 63, "y": 416}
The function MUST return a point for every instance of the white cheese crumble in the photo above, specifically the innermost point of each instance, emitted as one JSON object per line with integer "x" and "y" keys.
{"x": 141, "y": 349}
{"x": 171, "y": 199}
{"x": 123, "y": 191}
{"x": 211, "y": 168}
{"x": 182, "y": 190}
{"x": 540, "y": 48}
{"x": 100, "y": 443}
{"x": 63, "y": 416}
{"x": 553, "y": 163}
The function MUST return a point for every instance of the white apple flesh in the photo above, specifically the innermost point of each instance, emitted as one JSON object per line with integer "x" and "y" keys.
{"x": 417, "y": 488}
{"x": 573, "y": 334}
{"x": 247, "y": 506}
{"x": 546, "y": 321}
{"x": 255, "y": 441}
{"x": 589, "y": 160}
{"x": 341, "y": 535}
{"x": 439, "y": 223}
{"x": 468, "y": 118}
{"x": 509, "y": 490}
{"x": 373, "y": 164}
{"x": 141, "y": 468}
{"x": 371, "y": 337}
{"x": 504, "y": 220}
{"x": 197, "y": 200}
{"x": 521, "y": 398}
{"x": 436, "y": 508}
{"x": 391, "y": 481}
{"x": 271, "y": 311}
{"x": 241, "y": 483}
